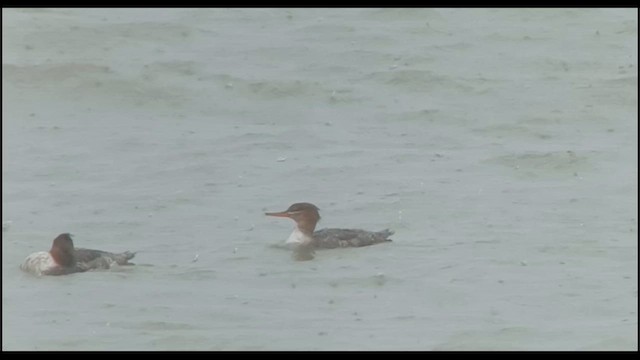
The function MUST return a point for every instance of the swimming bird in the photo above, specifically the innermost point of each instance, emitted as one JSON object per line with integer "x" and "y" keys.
{"x": 304, "y": 239}
{"x": 63, "y": 258}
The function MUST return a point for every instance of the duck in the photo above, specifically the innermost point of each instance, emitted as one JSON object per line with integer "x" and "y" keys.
{"x": 63, "y": 259}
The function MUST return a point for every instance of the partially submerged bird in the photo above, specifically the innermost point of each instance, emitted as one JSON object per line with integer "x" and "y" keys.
{"x": 64, "y": 259}
{"x": 304, "y": 239}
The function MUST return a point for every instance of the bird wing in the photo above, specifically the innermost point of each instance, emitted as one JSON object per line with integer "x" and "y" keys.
{"x": 334, "y": 238}
{"x": 88, "y": 255}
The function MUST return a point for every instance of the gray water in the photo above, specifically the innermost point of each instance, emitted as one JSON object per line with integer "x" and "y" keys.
{"x": 499, "y": 144}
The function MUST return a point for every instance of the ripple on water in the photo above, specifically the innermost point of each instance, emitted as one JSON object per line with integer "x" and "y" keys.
{"x": 540, "y": 164}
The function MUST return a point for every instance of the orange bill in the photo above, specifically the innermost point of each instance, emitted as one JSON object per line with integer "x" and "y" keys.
{"x": 278, "y": 214}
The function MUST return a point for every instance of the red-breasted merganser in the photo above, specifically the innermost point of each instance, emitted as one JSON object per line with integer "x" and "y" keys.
{"x": 303, "y": 239}
{"x": 64, "y": 259}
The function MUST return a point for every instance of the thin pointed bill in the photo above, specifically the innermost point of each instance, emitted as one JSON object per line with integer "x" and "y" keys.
{"x": 278, "y": 214}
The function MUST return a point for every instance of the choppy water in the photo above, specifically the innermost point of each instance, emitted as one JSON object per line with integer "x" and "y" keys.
{"x": 499, "y": 144}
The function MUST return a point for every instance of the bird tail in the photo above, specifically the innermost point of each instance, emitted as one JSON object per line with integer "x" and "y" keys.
{"x": 384, "y": 234}
{"x": 123, "y": 258}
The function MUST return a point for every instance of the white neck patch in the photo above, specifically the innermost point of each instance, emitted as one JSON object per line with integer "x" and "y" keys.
{"x": 297, "y": 237}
